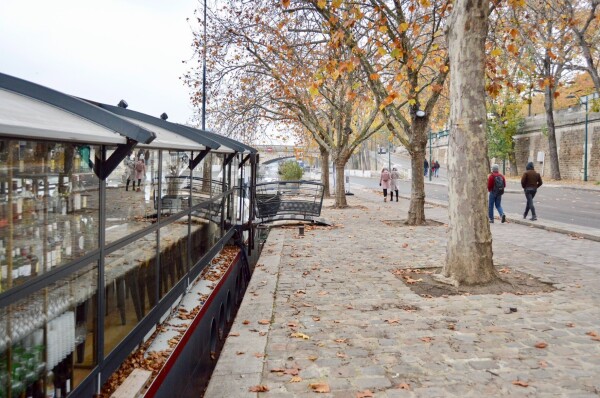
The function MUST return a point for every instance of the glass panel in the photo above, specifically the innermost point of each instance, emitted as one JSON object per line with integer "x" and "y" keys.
{"x": 174, "y": 262}
{"x": 130, "y": 194}
{"x": 206, "y": 230}
{"x": 48, "y": 207}
{"x": 47, "y": 340}
{"x": 130, "y": 278}
{"x": 175, "y": 191}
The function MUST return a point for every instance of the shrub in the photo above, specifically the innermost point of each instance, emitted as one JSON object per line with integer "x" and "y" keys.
{"x": 290, "y": 171}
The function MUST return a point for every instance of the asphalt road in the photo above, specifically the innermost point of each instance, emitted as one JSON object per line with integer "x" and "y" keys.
{"x": 559, "y": 204}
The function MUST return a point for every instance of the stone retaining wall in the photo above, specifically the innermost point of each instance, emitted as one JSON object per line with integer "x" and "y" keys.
{"x": 570, "y": 140}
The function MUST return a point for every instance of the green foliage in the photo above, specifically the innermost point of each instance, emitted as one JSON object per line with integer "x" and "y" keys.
{"x": 505, "y": 124}
{"x": 290, "y": 171}
{"x": 595, "y": 105}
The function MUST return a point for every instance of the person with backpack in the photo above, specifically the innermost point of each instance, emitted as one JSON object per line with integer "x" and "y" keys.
{"x": 496, "y": 185}
{"x": 384, "y": 182}
{"x": 140, "y": 172}
{"x": 530, "y": 182}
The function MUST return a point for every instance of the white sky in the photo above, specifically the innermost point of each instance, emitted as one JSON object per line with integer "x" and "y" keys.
{"x": 103, "y": 50}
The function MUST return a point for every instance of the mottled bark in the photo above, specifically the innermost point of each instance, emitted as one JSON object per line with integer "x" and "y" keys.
{"x": 469, "y": 250}
{"x": 340, "y": 184}
{"x": 417, "y": 149}
{"x": 416, "y": 210}
{"x": 207, "y": 173}
{"x": 325, "y": 171}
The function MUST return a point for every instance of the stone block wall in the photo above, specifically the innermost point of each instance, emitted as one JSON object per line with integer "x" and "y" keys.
{"x": 570, "y": 140}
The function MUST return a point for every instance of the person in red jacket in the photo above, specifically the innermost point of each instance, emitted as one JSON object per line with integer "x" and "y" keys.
{"x": 496, "y": 185}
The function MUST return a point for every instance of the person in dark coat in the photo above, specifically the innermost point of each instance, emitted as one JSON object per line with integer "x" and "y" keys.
{"x": 530, "y": 182}
{"x": 426, "y": 166}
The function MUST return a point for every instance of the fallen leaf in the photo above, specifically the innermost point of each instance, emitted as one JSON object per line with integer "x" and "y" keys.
{"x": 405, "y": 245}
{"x": 341, "y": 340}
{"x": 504, "y": 270}
{"x": 259, "y": 388}
{"x": 246, "y": 322}
{"x": 259, "y": 354}
{"x": 234, "y": 334}
{"x": 320, "y": 387}
{"x": 543, "y": 364}
{"x": 570, "y": 325}
{"x": 240, "y": 353}
{"x": 520, "y": 383}
{"x": 292, "y": 324}
{"x": 364, "y": 394}
{"x": 316, "y": 318}
{"x": 390, "y": 321}
{"x": 341, "y": 355}
{"x": 264, "y": 322}
{"x": 403, "y": 386}
{"x": 296, "y": 379}
{"x": 427, "y": 339}
{"x": 410, "y": 280}
{"x": 541, "y": 344}
{"x": 299, "y": 335}
{"x": 312, "y": 358}
{"x": 593, "y": 334}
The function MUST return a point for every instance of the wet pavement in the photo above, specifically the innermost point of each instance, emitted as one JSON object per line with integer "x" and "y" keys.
{"x": 324, "y": 312}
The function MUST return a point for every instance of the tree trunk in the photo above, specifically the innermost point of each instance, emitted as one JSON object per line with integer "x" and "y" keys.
{"x": 512, "y": 159}
{"x": 325, "y": 171}
{"x": 589, "y": 60}
{"x": 417, "y": 146}
{"x": 207, "y": 173}
{"x": 553, "y": 155}
{"x": 469, "y": 250}
{"x": 340, "y": 184}
{"x": 416, "y": 211}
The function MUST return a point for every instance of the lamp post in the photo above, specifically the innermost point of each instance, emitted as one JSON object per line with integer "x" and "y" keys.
{"x": 585, "y": 142}
{"x": 390, "y": 157}
{"x": 429, "y": 155}
{"x": 585, "y": 147}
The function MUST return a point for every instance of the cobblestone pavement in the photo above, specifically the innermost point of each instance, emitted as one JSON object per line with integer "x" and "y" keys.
{"x": 359, "y": 328}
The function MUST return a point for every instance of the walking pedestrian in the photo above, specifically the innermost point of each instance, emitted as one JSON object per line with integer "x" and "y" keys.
{"x": 437, "y": 169}
{"x": 530, "y": 182}
{"x": 426, "y": 165}
{"x": 384, "y": 182}
{"x": 129, "y": 171}
{"x": 496, "y": 185}
{"x": 395, "y": 183}
{"x": 140, "y": 171}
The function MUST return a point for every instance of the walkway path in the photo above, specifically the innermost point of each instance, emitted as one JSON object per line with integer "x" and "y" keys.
{"x": 327, "y": 306}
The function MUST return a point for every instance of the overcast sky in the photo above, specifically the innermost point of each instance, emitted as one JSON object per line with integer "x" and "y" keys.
{"x": 103, "y": 50}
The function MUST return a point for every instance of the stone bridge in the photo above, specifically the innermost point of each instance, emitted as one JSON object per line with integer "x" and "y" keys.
{"x": 270, "y": 153}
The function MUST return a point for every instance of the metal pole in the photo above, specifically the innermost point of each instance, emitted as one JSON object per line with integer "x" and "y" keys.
{"x": 429, "y": 155}
{"x": 390, "y": 156}
{"x": 585, "y": 151}
{"x": 204, "y": 75}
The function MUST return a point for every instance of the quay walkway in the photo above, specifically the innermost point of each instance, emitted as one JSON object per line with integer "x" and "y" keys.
{"x": 325, "y": 315}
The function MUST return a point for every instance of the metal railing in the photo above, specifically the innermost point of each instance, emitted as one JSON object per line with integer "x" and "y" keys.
{"x": 177, "y": 192}
{"x": 289, "y": 198}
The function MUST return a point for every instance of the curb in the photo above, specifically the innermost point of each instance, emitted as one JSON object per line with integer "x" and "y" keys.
{"x": 550, "y": 228}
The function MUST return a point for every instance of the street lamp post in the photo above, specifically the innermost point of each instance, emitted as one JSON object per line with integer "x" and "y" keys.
{"x": 585, "y": 142}
{"x": 429, "y": 155}
{"x": 585, "y": 148}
